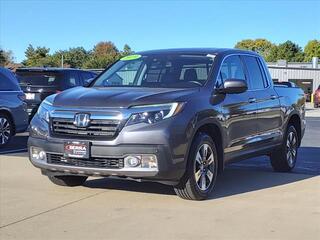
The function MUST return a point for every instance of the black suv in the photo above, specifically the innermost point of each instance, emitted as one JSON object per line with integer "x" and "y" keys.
{"x": 173, "y": 116}
{"x": 38, "y": 83}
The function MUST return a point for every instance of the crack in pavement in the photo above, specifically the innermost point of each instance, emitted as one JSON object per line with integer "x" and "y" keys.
{"x": 51, "y": 210}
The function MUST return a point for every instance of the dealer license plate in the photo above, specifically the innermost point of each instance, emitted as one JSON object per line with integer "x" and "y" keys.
{"x": 77, "y": 149}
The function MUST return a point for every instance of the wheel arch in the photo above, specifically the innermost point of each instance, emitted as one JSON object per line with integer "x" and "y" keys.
{"x": 213, "y": 129}
{"x": 294, "y": 119}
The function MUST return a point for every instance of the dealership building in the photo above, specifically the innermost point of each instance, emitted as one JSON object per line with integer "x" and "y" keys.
{"x": 304, "y": 75}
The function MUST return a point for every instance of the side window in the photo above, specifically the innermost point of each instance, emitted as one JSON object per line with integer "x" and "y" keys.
{"x": 72, "y": 80}
{"x": 8, "y": 82}
{"x": 255, "y": 74}
{"x": 232, "y": 68}
{"x": 86, "y": 76}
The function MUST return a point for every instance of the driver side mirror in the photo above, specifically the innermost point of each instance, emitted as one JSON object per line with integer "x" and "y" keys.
{"x": 233, "y": 86}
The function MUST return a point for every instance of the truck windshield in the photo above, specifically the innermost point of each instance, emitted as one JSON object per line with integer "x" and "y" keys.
{"x": 157, "y": 71}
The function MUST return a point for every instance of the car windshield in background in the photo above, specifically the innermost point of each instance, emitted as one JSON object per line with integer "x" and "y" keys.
{"x": 39, "y": 78}
{"x": 157, "y": 71}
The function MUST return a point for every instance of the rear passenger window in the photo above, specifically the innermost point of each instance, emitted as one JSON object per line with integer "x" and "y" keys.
{"x": 72, "y": 80}
{"x": 8, "y": 82}
{"x": 255, "y": 74}
{"x": 201, "y": 70}
{"x": 232, "y": 68}
{"x": 87, "y": 77}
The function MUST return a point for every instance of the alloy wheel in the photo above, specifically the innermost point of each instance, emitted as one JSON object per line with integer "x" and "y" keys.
{"x": 5, "y": 130}
{"x": 204, "y": 167}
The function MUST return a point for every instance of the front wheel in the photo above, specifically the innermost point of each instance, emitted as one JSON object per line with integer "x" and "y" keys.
{"x": 6, "y": 129}
{"x": 70, "y": 181}
{"x": 284, "y": 159}
{"x": 202, "y": 169}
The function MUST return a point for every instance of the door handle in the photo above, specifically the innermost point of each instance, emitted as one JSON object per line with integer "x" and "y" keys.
{"x": 273, "y": 97}
{"x": 252, "y": 100}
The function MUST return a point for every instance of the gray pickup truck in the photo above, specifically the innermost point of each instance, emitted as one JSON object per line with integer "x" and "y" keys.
{"x": 175, "y": 116}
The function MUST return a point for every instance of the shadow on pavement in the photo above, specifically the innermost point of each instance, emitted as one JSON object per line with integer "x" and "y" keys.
{"x": 308, "y": 162}
{"x": 240, "y": 178}
{"x": 129, "y": 185}
{"x": 17, "y": 144}
{"x": 237, "y": 181}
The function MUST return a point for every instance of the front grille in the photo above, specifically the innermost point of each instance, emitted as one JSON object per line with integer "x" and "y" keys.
{"x": 111, "y": 163}
{"x": 98, "y": 128}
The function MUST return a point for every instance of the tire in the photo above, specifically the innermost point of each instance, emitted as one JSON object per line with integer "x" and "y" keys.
{"x": 284, "y": 159}
{"x": 69, "y": 181}
{"x": 6, "y": 129}
{"x": 206, "y": 171}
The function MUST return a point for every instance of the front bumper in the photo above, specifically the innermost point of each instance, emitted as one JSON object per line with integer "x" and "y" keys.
{"x": 167, "y": 170}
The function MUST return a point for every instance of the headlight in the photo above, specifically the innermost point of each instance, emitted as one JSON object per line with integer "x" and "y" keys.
{"x": 154, "y": 113}
{"x": 43, "y": 113}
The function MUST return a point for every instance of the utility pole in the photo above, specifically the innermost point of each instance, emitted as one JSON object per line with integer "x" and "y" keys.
{"x": 62, "y": 61}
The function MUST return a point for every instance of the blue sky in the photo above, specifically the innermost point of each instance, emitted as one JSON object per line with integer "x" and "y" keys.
{"x": 144, "y": 25}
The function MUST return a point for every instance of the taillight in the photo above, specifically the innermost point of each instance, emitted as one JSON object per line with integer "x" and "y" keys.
{"x": 22, "y": 96}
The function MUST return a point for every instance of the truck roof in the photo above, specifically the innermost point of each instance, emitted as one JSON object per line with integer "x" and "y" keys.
{"x": 216, "y": 51}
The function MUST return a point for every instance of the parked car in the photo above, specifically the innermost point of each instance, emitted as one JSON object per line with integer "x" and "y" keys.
{"x": 316, "y": 97}
{"x": 38, "y": 83}
{"x": 13, "y": 109}
{"x": 173, "y": 116}
{"x": 288, "y": 84}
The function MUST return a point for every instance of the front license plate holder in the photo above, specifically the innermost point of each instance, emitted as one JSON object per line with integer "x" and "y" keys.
{"x": 77, "y": 149}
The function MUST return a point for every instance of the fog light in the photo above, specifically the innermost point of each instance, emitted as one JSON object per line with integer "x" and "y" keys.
{"x": 149, "y": 161}
{"x": 132, "y": 161}
{"x": 42, "y": 155}
{"x": 37, "y": 154}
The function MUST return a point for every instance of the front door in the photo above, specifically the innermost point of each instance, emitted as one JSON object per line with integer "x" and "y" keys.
{"x": 239, "y": 111}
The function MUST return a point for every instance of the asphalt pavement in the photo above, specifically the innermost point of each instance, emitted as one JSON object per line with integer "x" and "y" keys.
{"x": 250, "y": 201}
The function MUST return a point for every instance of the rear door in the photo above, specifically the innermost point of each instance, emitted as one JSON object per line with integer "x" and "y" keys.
{"x": 268, "y": 105}
{"x": 37, "y": 85}
{"x": 239, "y": 110}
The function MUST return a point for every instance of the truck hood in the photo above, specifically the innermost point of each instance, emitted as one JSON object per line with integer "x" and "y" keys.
{"x": 121, "y": 97}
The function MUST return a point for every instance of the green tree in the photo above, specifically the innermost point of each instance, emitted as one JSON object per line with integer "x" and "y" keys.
{"x": 260, "y": 45}
{"x": 126, "y": 50}
{"x": 38, "y": 56}
{"x": 103, "y": 54}
{"x": 6, "y": 57}
{"x": 76, "y": 57}
{"x": 312, "y": 49}
{"x": 289, "y": 51}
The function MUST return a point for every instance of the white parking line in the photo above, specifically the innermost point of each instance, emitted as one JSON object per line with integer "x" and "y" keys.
{"x": 14, "y": 151}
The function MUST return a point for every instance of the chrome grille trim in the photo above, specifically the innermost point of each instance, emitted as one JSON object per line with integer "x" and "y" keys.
{"x": 98, "y": 128}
